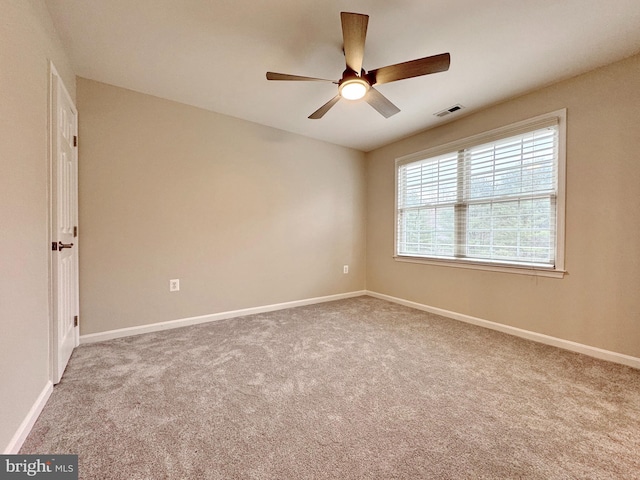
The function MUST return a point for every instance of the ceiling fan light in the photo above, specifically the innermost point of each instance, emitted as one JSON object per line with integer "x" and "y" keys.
{"x": 354, "y": 89}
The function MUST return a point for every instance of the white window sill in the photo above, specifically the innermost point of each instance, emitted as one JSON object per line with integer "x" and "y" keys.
{"x": 517, "y": 269}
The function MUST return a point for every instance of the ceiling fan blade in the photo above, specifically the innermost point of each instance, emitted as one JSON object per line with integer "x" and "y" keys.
{"x": 325, "y": 108}
{"x": 354, "y": 34}
{"x": 286, "y": 76}
{"x": 412, "y": 68}
{"x": 380, "y": 103}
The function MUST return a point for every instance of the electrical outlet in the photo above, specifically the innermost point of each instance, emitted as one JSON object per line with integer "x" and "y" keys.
{"x": 345, "y": 269}
{"x": 174, "y": 285}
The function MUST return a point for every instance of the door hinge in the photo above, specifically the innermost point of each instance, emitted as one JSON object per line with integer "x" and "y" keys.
{"x": 54, "y": 246}
{"x": 75, "y": 140}
{"x": 75, "y": 231}
{"x": 75, "y": 321}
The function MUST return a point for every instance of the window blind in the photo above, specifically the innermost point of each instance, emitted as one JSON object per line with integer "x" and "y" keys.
{"x": 493, "y": 201}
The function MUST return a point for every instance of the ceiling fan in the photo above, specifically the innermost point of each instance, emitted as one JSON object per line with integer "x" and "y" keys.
{"x": 356, "y": 83}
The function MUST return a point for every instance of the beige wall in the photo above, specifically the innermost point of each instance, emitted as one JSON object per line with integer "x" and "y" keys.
{"x": 244, "y": 215}
{"x": 27, "y": 43}
{"x": 598, "y": 302}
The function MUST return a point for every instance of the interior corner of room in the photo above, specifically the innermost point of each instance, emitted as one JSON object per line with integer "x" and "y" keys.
{"x": 251, "y": 218}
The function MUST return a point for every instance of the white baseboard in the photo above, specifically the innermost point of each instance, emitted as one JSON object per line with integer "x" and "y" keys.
{"x": 518, "y": 332}
{"x": 27, "y": 424}
{"x": 184, "y": 322}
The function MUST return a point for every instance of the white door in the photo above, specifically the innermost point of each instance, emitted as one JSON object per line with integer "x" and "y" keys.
{"x": 64, "y": 226}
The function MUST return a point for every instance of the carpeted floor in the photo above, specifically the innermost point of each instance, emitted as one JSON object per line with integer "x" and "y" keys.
{"x": 353, "y": 389}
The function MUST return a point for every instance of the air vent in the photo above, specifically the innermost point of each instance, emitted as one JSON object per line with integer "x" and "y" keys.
{"x": 449, "y": 110}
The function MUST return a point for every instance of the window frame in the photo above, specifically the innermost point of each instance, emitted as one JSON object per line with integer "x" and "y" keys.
{"x": 559, "y": 118}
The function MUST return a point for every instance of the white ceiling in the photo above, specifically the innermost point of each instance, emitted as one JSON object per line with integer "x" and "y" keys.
{"x": 214, "y": 54}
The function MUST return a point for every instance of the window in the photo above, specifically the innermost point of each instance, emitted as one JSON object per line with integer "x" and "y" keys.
{"x": 494, "y": 201}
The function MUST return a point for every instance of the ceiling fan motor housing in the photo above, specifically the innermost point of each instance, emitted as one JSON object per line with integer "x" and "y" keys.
{"x": 353, "y": 86}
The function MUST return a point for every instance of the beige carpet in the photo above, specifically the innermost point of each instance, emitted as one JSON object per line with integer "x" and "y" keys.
{"x": 353, "y": 389}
